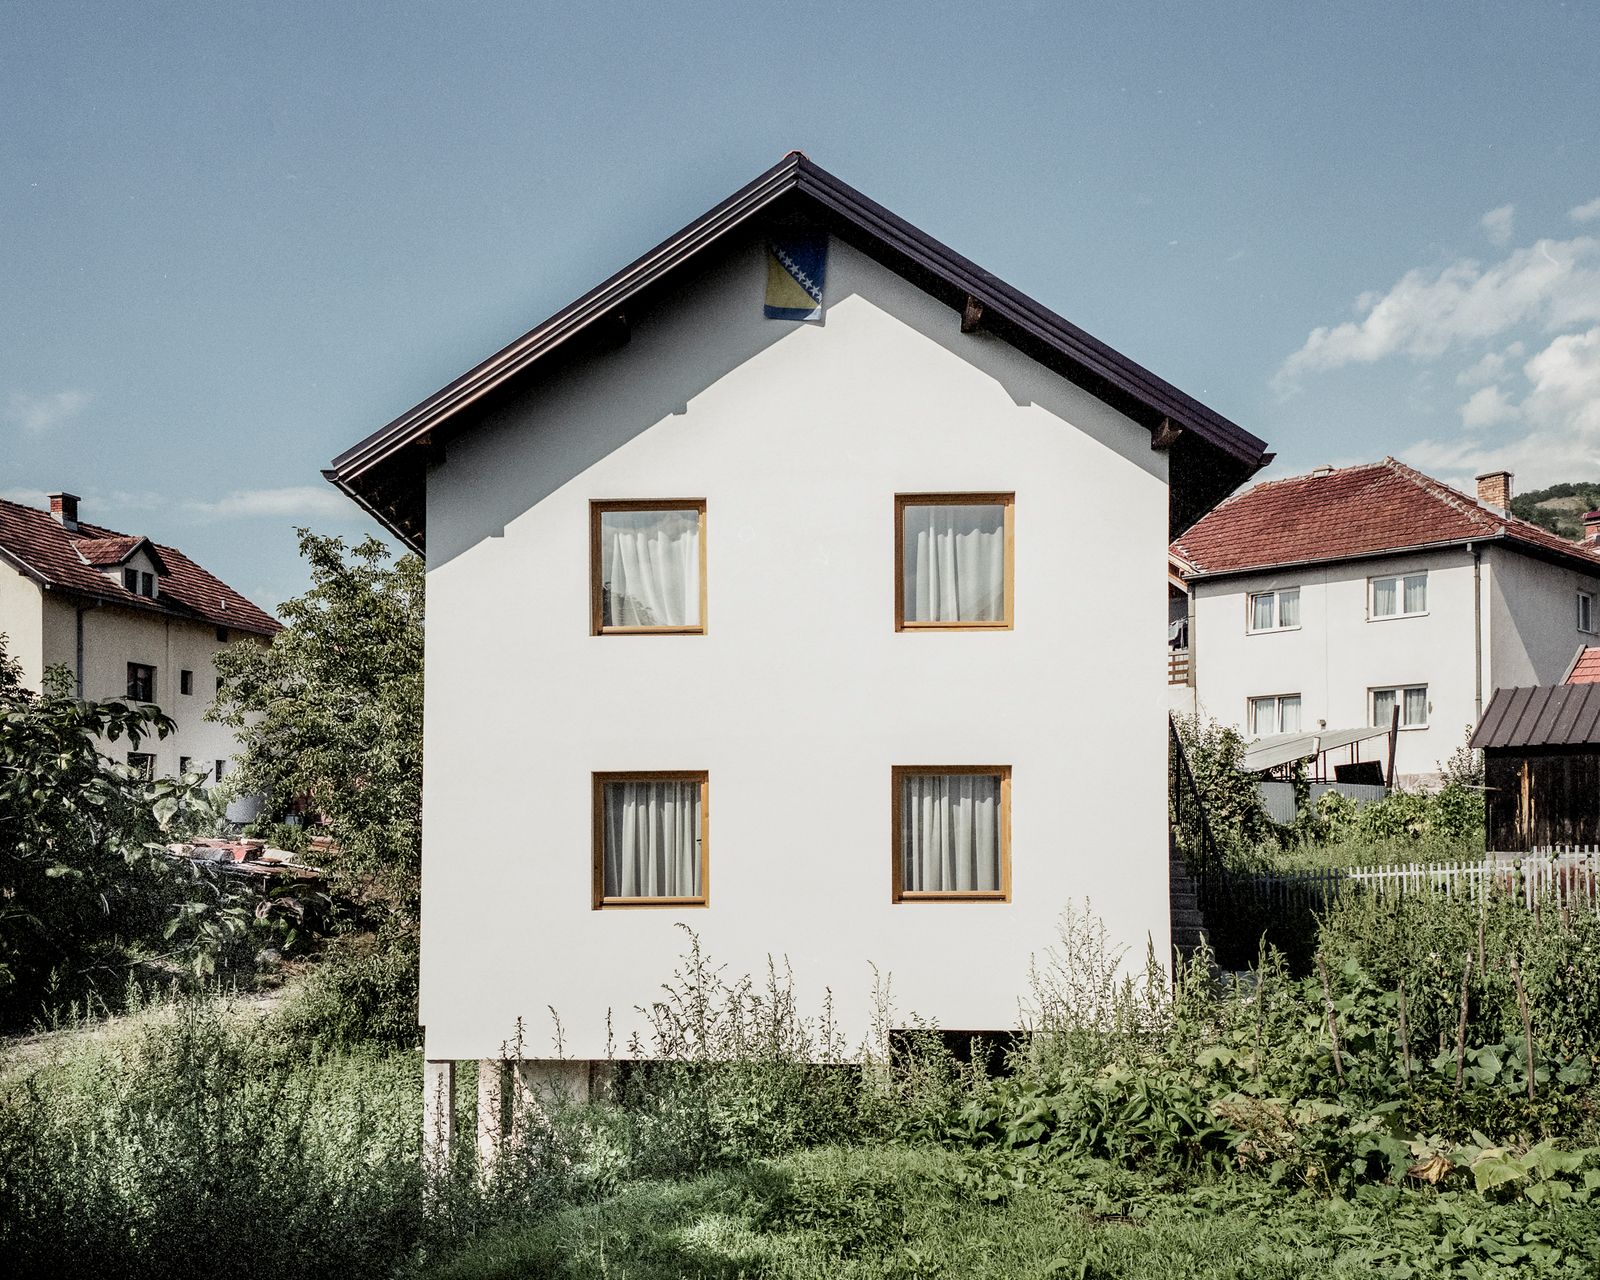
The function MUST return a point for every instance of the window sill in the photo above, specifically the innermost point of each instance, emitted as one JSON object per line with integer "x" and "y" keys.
{"x": 997, "y": 895}
{"x": 1268, "y": 631}
{"x": 1395, "y": 617}
{"x": 608, "y": 904}
{"x": 651, "y": 631}
{"x": 953, "y": 626}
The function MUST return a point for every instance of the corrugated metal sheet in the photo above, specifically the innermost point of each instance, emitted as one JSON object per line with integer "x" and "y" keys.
{"x": 1284, "y": 748}
{"x": 1548, "y": 716}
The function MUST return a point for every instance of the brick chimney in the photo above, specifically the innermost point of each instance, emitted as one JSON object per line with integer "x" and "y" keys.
{"x": 1494, "y": 490}
{"x": 64, "y": 509}
{"x": 1591, "y": 526}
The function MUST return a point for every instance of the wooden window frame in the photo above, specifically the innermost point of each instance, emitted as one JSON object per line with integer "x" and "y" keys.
{"x": 597, "y": 508}
{"x": 898, "y": 774}
{"x": 904, "y": 500}
{"x": 598, "y": 899}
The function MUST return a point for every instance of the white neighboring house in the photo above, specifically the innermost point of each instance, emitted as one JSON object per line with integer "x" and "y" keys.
{"x": 130, "y": 619}
{"x": 1326, "y": 600}
{"x": 824, "y": 637}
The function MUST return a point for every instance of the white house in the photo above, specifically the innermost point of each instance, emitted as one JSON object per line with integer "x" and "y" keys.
{"x": 1328, "y": 600}
{"x": 816, "y": 626}
{"x": 130, "y": 619}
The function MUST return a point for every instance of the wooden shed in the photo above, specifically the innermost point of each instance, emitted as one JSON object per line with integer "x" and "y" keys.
{"x": 1541, "y": 752}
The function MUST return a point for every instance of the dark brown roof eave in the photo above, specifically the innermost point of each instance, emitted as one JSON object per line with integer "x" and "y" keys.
{"x": 371, "y": 465}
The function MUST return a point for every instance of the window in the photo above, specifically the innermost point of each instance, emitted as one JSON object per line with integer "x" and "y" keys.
{"x": 219, "y": 686}
{"x": 650, "y": 847}
{"x": 185, "y": 682}
{"x": 142, "y": 764}
{"x": 953, "y": 561}
{"x": 952, "y": 833}
{"x": 147, "y": 585}
{"x": 1413, "y": 703}
{"x": 183, "y": 765}
{"x": 1274, "y": 610}
{"x": 647, "y": 567}
{"x": 130, "y": 580}
{"x": 1586, "y": 611}
{"x": 222, "y": 635}
{"x": 1276, "y": 713}
{"x": 1403, "y": 596}
{"x": 222, "y": 768}
{"x": 141, "y": 682}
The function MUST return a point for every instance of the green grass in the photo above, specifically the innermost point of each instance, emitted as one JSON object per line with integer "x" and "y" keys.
{"x": 904, "y": 1213}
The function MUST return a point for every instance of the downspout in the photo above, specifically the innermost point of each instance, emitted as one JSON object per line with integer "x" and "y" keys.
{"x": 78, "y": 657}
{"x": 1477, "y": 631}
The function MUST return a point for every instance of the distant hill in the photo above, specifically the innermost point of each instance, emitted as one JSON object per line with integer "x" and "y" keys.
{"x": 1559, "y": 508}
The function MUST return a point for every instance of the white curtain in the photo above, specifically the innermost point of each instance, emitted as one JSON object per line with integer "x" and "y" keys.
{"x": 650, "y": 568}
{"x": 1383, "y": 707}
{"x": 1417, "y": 594}
{"x": 652, "y": 839}
{"x": 1289, "y": 714}
{"x": 955, "y": 563}
{"x": 950, "y": 833}
{"x": 1385, "y": 598}
{"x": 1289, "y": 607}
{"x": 1415, "y": 710}
{"x": 1261, "y": 612}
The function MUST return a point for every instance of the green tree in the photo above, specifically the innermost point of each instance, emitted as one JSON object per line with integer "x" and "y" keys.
{"x": 329, "y": 718}
{"x": 80, "y": 884}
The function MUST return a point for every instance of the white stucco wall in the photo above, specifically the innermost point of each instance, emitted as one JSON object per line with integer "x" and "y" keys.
{"x": 114, "y": 637}
{"x": 20, "y": 621}
{"x": 801, "y": 696}
{"x": 1337, "y": 655}
{"x": 1533, "y": 618}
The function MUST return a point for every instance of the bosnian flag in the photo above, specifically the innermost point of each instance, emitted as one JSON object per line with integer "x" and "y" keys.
{"x": 796, "y": 264}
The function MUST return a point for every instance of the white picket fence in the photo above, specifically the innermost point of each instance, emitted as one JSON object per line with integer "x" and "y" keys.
{"x": 1564, "y": 876}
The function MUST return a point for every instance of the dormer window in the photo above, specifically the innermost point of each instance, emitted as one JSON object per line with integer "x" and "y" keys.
{"x": 140, "y": 582}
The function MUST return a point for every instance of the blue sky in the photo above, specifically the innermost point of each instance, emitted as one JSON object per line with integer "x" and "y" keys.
{"x": 235, "y": 238}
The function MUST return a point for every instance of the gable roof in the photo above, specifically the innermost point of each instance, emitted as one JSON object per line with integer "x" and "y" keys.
{"x": 103, "y": 553}
{"x": 1353, "y": 512}
{"x": 75, "y": 560}
{"x": 1585, "y": 668}
{"x": 1209, "y": 455}
{"x": 1552, "y": 715}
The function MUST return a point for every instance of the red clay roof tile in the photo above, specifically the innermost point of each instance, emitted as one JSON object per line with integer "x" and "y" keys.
{"x": 65, "y": 558}
{"x": 1587, "y": 668}
{"x": 1348, "y": 512}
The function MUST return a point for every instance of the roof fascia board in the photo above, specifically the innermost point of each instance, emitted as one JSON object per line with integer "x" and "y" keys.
{"x": 795, "y": 172}
{"x": 350, "y": 491}
{"x": 1246, "y": 571}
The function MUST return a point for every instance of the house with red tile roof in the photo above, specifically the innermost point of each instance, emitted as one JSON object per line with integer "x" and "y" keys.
{"x": 1339, "y": 598}
{"x": 1585, "y": 668}
{"x": 130, "y": 619}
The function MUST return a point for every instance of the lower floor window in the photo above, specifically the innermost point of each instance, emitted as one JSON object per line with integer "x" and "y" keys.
{"x": 952, "y": 832}
{"x": 1277, "y": 713}
{"x": 142, "y": 764}
{"x": 650, "y": 839}
{"x": 1412, "y": 701}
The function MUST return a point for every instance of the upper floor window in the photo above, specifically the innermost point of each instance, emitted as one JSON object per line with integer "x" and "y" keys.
{"x": 185, "y": 682}
{"x": 141, "y": 682}
{"x": 1401, "y": 596}
{"x": 952, "y": 833}
{"x": 953, "y": 557}
{"x": 139, "y": 582}
{"x": 650, "y": 839}
{"x": 648, "y": 567}
{"x": 1275, "y": 713}
{"x": 1412, "y": 701}
{"x": 1586, "y": 611}
{"x": 1275, "y": 610}
{"x": 143, "y": 764}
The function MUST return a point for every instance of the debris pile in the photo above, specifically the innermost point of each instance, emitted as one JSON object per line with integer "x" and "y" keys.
{"x": 247, "y": 857}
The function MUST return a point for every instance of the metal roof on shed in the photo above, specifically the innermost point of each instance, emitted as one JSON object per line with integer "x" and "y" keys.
{"x": 1548, "y": 716}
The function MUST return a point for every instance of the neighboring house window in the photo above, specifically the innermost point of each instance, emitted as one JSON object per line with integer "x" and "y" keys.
{"x": 142, "y": 764}
{"x": 222, "y": 635}
{"x": 147, "y": 585}
{"x": 650, "y": 845}
{"x": 952, "y": 833}
{"x": 647, "y": 567}
{"x": 185, "y": 682}
{"x": 1585, "y": 611}
{"x": 130, "y": 580}
{"x": 953, "y": 553}
{"x": 222, "y": 768}
{"x": 1402, "y": 596}
{"x": 141, "y": 682}
{"x": 1276, "y": 713}
{"x": 1412, "y": 701}
{"x": 183, "y": 764}
{"x": 219, "y": 686}
{"x": 1275, "y": 610}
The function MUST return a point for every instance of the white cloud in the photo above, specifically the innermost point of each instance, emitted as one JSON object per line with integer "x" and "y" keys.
{"x": 27, "y": 497}
{"x": 1496, "y": 223}
{"x": 1552, "y": 284}
{"x": 1561, "y": 412}
{"x": 294, "y": 501}
{"x": 1585, "y": 212}
{"x": 1491, "y": 367}
{"x": 37, "y": 414}
{"x": 1487, "y": 407}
